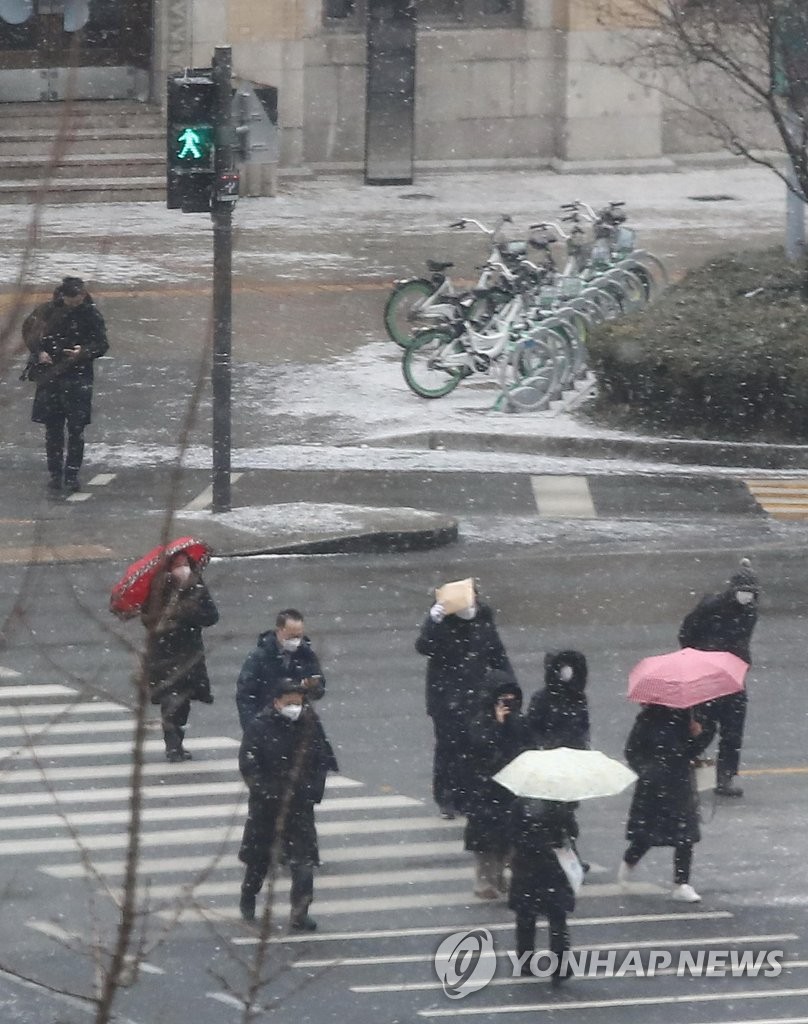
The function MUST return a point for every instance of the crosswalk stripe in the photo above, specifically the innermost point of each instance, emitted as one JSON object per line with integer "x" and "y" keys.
{"x": 695, "y": 942}
{"x": 210, "y": 834}
{"x": 420, "y": 901}
{"x": 499, "y": 926}
{"x": 563, "y": 497}
{"x": 186, "y": 770}
{"x": 118, "y": 794}
{"x": 783, "y": 499}
{"x": 111, "y": 747}
{"x": 186, "y": 864}
{"x": 36, "y": 690}
{"x": 120, "y": 816}
{"x": 663, "y": 972}
{"x": 36, "y": 733}
{"x": 25, "y": 711}
{"x": 597, "y": 1004}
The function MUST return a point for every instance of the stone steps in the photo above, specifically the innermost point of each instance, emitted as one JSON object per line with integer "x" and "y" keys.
{"x": 107, "y": 151}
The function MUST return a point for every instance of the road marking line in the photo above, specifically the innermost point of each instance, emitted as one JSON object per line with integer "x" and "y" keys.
{"x": 782, "y": 499}
{"x": 596, "y": 1004}
{"x": 24, "y": 711}
{"x": 48, "y": 750}
{"x": 664, "y": 972}
{"x": 204, "y": 499}
{"x": 36, "y": 690}
{"x": 118, "y": 816}
{"x": 34, "y": 732}
{"x": 185, "y": 864}
{"x": 228, "y": 1000}
{"x": 563, "y": 497}
{"x": 500, "y": 926}
{"x": 802, "y": 770}
{"x": 424, "y": 958}
{"x": 45, "y": 553}
{"x": 9, "y": 673}
{"x": 79, "y": 496}
{"x": 101, "y": 479}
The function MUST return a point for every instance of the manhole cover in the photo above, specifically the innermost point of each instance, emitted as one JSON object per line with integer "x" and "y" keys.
{"x": 416, "y": 195}
{"x": 720, "y": 198}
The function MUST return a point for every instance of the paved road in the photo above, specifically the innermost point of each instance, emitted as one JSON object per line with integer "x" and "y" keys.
{"x": 391, "y": 865}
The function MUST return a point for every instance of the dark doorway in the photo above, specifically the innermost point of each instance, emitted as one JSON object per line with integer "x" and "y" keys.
{"x": 390, "y": 92}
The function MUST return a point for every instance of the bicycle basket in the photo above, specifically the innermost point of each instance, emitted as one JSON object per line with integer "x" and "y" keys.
{"x": 624, "y": 239}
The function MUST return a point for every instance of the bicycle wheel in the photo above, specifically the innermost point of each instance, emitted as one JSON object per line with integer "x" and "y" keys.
{"x": 432, "y": 364}
{"x": 568, "y": 357}
{"x": 535, "y": 368}
{"x": 401, "y": 319}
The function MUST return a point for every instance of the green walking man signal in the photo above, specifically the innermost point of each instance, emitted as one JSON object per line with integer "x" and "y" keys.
{"x": 194, "y": 145}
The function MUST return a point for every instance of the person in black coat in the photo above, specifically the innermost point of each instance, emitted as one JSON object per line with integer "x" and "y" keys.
{"x": 284, "y": 758}
{"x": 64, "y": 336}
{"x": 497, "y": 734}
{"x": 461, "y": 649}
{"x": 725, "y": 622}
{"x": 539, "y": 885}
{"x": 661, "y": 748}
{"x": 179, "y": 607}
{"x": 558, "y": 715}
{"x": 284, "y": 652}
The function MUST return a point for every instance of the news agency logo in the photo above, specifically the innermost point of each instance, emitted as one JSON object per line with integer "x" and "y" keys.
{"x": 465, "y": 962}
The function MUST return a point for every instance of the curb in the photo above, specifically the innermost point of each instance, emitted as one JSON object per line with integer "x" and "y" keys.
{"x": 754, "y": 455}
{"x": 373, "y": 542}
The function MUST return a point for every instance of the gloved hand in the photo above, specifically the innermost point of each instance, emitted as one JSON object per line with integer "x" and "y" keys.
{"x": 437, "y": 612}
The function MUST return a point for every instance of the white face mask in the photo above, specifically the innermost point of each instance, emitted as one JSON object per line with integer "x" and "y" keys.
{"x": 565, "y": 673}
{"x": 181, "y": 573}
{"x": 744, "y": 596}
{"x": 467, "y": 613}
{"x": 291, "y": 645}
{"x": 291, "y": 711}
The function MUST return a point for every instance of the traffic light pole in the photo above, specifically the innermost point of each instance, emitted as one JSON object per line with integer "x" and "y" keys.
{"x": 222, "y": 216}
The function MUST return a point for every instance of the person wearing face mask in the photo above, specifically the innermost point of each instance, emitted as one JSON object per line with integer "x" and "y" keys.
{"x": 497, "y": 734}
{"x": 558, "y": 715}
{"x": 284, "y": 652}
{"x": 179, "y": 607}
{"x": 284, "y": 759}
{"x": 461, "y": 649}
{"x": 725, "y": 622}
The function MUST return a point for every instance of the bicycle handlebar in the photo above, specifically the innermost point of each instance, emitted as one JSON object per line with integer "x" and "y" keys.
{"x": 504, "y": 219}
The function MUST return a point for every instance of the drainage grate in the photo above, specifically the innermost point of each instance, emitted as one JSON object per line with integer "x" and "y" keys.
{"x": 720, "y": 198}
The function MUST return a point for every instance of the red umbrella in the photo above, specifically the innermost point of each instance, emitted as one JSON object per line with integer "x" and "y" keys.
{"x": 686, "y": 677}
{"x": 131, "y": 591}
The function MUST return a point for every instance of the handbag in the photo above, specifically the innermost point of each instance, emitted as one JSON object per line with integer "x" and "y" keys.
{"x": 35, "y": 371}
{"x": 571, "y": 866}
{"x": 704, "y": 774}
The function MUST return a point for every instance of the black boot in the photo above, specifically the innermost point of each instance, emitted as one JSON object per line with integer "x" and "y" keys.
{"x": 725, "y": 787}
{"x": 71, "y": 482}
{"x": 247, "y": 905}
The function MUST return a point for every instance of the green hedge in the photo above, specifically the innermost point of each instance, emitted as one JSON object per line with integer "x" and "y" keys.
{"x": 708, "y": 357}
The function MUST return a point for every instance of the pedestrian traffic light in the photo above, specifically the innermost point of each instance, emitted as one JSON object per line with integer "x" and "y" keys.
{"x": 190, "y": 141}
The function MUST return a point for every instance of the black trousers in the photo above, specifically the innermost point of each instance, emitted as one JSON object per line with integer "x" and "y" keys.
{"x": 55, "y": 427}
{"x": 450, "y": 764}
{"x": 559, "y": 936}
{"x": 302, "y": 892}
{"x": 682, "y": 858}
{"x": 727, "y": 716}
{"x": 174, "y": 711}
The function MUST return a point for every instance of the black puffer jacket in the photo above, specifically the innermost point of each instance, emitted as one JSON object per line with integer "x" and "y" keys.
{"x": 660, "y": 749}
{"x": 558, "y": 715}
{"x": 461, "y": 653}
{"x": 492, "y": 745}
{"x": 720, "y": 623}
{"x": 175, "y": 616}
{"x": 538, "y": 882}
{"x": 67, "y": 386}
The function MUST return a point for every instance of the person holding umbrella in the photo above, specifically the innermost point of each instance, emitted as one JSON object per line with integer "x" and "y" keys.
{"x": 725, "y": 622}
{"x": 178, "y": 607}
{"x": 661, "y": 748}
{"x": 497, "y": 733}
{"x": 460, "y": 641}
{"x": 546, "y": 873}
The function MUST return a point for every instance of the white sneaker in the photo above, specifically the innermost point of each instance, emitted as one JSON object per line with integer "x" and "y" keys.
{"x": 625, "y": 875}
{"x": 685, "y": 894}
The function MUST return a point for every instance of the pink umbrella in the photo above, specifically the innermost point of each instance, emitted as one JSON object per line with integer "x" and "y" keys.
{"x": 686, "y": 677}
